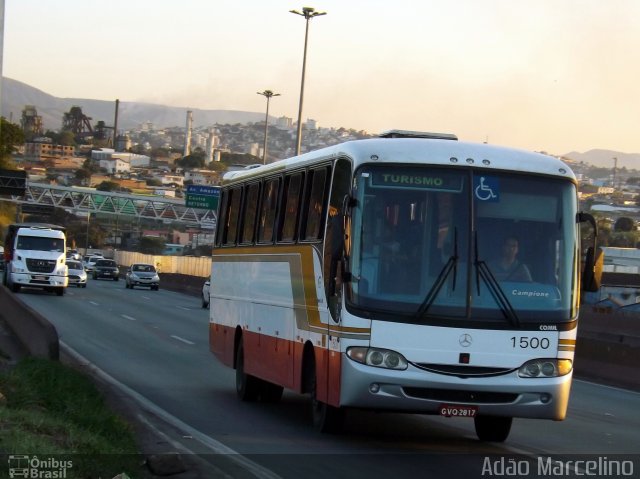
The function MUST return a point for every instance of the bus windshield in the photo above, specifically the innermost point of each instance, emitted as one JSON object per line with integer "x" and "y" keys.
{"x": 435, "y": 244}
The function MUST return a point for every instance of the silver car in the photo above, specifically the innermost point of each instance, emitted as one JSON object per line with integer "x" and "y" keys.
{"x": 142, "y": 274}
{"x": 77, "y": 274}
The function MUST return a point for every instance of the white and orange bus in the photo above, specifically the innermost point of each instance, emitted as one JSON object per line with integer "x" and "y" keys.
{"x": 363, "y": 274}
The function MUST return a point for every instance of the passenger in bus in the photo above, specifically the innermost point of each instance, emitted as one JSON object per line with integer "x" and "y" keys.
{"x": 508, "y": 267}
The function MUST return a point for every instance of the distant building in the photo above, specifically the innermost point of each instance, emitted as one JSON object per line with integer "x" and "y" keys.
{"x": 284, "y": 122}
{"x": 134, "y": 160}
{"x": 115, "y": 165}
{"x": 202, "y": 177}
{"x": 42, "y": 151}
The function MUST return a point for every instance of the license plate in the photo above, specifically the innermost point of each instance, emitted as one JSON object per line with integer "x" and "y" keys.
{"x": 40, "y": 278}
{"x": 448, "y": 410}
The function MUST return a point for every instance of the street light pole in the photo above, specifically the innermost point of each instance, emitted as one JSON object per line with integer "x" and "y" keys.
{"x": 307, "y": 13}
{"x": 267, "y": 94}
{"x": 86, "y": 249}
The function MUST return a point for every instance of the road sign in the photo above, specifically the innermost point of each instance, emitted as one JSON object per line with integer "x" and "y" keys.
{"x": 206, "y": 190}
{"x": 202, "y": 201}
{"x": 202, "y": 196}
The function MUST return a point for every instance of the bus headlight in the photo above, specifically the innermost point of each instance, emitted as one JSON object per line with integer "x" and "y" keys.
{"x": 379, "y": 358}
{"x": 545, "y": 368}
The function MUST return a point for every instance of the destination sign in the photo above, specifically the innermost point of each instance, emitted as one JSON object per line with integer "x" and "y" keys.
{"x": 417, "y": 179}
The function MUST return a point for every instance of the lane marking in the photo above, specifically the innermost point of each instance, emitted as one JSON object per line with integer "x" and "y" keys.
{"x": 182, "y": 307}
{"x": 128, "y": 317}
{"x": 94, "y": 303}
{"x": 186, "y": 341}
{"x": 606, "y": 386}
{"x": 217, "y": 447}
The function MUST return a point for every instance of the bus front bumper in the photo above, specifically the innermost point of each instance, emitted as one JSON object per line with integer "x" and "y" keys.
{"x": 416, "y": 390}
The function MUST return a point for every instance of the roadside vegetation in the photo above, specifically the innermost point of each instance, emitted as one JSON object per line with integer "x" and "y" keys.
{"x": 50, "y": 410}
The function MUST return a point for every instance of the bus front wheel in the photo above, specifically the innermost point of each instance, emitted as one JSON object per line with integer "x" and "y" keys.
{"x": 326, "y": 418}
{"x": 247, "y": 386}
{"x": 493, "y": 428}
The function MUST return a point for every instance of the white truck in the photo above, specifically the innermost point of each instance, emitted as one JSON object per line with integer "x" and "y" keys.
{"x": 35, "y": 257}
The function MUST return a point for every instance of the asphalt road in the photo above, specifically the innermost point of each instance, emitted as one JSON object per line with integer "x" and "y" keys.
{"x": 156, "y": 343}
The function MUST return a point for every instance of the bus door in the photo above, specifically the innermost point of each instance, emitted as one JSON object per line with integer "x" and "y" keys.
{"x": 328, "y": 358}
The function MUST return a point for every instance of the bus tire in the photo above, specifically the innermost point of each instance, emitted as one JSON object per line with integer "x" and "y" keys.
{"x": 247, "y": 386}
{"x": 270, "y": 392}
{"x": 326, "y": 418}
{"x": 492, "y": 428}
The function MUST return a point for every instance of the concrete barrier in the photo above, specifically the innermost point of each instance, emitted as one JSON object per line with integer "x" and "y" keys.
{"x": 37, "y": 335}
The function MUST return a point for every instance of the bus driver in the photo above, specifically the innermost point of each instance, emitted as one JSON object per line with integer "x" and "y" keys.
{"x": 508, "y": 267}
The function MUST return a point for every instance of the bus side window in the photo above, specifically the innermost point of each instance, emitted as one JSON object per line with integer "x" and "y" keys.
{"x": 289, "y": 214}
{"x": 268, "y": 210}
{"x": 312, "y": 221}
{"x": 232, "y": 216}
{"x": 252, "y": 195}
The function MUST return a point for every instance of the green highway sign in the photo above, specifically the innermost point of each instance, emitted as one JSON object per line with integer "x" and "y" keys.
{"x": 206, "y": 202}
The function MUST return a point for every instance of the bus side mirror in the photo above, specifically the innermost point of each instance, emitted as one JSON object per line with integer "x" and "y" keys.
{"x": 592, "y": 273}
{"x": 594, "y": 259}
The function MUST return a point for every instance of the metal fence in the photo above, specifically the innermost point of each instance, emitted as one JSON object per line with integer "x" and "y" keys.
{"x": 189, "y": 265}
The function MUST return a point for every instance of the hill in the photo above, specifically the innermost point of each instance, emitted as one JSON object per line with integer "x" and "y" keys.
{"x": 604, "y": 158}
{"x": 15, "y": 95}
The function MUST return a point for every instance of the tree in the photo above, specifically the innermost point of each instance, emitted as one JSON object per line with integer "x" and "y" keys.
{"x": 154, "y": 182}
{"x": 152, "y": 245}
{"x": 11, "y": 135}
{"x": 108, "y": 186}
{"x": 624, "y": 224}
{"x": 90, "y": 165}
{"x": 82, "y": 175}
{"x": 67, "y": 138}
{"x": 195, "y": 160}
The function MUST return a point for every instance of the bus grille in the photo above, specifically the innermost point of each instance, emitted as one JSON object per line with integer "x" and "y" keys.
{"x": 463, "y": 371}
{"x": 41, "y": 265}
{"x": 453, "y": 395}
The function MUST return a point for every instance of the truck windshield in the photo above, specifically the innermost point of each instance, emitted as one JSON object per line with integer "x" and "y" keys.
{"x": 436, "y": 244}
{"x": 38, "y": 243}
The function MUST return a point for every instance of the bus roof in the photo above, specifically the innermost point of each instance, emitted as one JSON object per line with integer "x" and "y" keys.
{"x": 419, "y": 151}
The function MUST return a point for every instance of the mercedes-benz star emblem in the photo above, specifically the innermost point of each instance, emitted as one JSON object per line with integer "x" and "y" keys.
{"x": 465, "y": 340}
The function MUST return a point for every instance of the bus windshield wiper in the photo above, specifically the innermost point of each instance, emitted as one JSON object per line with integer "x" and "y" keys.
{"x": 450, "y": 265}
{"x": 483, "y": 271}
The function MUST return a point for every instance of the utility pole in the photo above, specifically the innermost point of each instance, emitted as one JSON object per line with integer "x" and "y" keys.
{"x": 308, "y": 13}
{"x": 267, "y": 94}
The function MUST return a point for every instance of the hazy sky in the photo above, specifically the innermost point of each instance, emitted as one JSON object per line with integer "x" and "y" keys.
{"x": 552, "y": 75}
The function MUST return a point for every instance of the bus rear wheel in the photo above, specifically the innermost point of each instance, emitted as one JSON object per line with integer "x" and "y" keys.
{"x": 493, "y": 428}
{"x": 247, "y": 386}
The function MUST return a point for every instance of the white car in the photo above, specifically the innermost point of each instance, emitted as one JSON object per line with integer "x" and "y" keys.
{"x": 205, "y": 293}
{"x": 77, "y": 274}
{"x": 89, "y": 262}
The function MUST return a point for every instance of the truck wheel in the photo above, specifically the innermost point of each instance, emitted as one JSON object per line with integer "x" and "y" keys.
{"x": 60, "y": 291}
{"x": 15, "y": 287}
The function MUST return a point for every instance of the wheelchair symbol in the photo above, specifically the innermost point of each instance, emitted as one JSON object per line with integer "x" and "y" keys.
{"x": 484, "y": 192}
